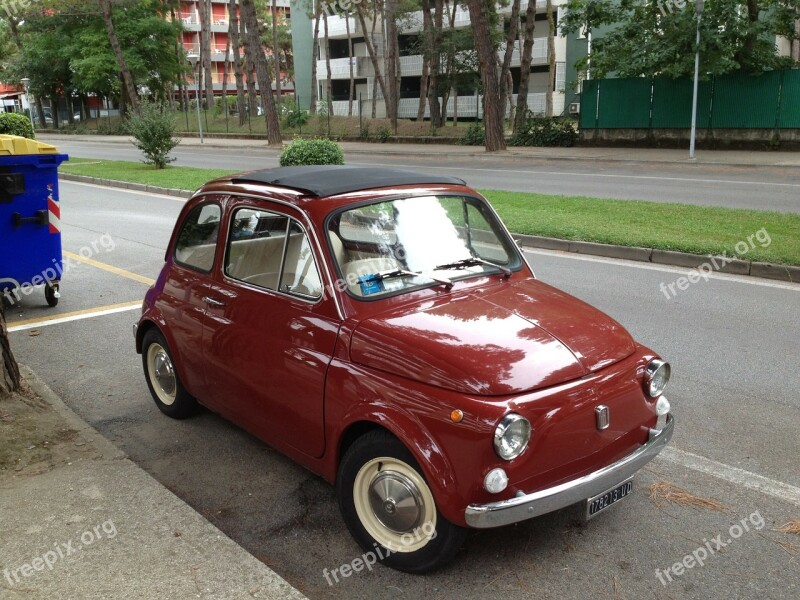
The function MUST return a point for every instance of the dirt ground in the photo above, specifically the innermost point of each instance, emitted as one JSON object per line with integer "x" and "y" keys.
{"x": 34, "y": 438}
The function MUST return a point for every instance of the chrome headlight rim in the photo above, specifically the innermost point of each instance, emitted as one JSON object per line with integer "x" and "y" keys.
{"x": 504, "y": 427}
{"x": 656, "y": 377}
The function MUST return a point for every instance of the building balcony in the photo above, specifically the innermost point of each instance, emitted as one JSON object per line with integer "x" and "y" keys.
{"x": 337, "y": 27}
{"x": 340, "y": 69}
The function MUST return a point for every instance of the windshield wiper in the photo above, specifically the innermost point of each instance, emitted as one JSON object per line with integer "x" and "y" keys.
{"x": 404, "y": 273}
{"x": 471, "y": 262}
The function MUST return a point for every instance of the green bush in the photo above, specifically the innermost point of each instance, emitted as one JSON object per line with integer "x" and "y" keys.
{"x": 384, "y": 134}
{"x": 153, "y": 130}
{"x": 293, "y": 115}
{"x": 546, "y": 132}
{"x": 475, "y": 135}
{"x": 16, "y": 124}
{"x": 312, "y": 152}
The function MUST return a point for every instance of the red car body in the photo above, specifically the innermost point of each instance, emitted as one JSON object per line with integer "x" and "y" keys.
{"x": 310, "y": 379}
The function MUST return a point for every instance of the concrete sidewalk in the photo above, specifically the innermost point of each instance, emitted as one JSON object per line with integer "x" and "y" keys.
{"x": 95, "y": 525}
{"x": 742, "y": 158}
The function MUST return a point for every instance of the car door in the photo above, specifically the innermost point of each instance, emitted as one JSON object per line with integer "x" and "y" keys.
{"x": 187, "y": 280}
{"x": 270, "y": 330}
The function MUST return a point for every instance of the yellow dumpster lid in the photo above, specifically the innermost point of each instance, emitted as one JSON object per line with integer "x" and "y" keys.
{"x": 12, "y": 145}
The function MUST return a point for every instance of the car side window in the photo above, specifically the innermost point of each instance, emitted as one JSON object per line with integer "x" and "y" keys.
{"x": 196, "y": 245}
{"x": 271, "y": 251}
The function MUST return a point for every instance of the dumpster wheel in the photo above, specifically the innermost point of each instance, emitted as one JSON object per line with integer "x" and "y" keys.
{"x": 51, "y": 294}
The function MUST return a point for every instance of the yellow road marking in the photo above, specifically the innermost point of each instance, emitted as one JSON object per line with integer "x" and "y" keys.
{"x": 73, "y": 316}
{"x": 110, "y": 268}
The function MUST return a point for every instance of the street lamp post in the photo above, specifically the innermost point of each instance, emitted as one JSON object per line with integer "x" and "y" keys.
{"x": 698, "y": 8}
{"x": 193, "y": 60}
{"x": 25, "y": 83}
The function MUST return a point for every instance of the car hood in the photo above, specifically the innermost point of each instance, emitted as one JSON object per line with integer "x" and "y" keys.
{"x": 511, "y": 339}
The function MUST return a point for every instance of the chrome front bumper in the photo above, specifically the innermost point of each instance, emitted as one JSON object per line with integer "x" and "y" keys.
{"x": 527, "y": 506}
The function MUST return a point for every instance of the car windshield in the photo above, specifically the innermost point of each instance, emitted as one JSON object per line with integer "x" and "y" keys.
{"x": 393, "y": 246}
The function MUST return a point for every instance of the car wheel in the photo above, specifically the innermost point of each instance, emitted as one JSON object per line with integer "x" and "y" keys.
{"x": 162, "y": 378}
{"x": 389, "y": 507}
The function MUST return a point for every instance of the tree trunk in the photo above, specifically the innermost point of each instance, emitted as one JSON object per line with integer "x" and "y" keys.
{"x": 233, "y": 35}
{"x": 314, "y": 56}
{"x": 796, "y": 41}
{"x": 250, "y": 69}
{"x": 40, "y": 112}
{"x": 371, "y": 51}
{"x": 352, "y": 90}
{"x": 276, "y": 51}
{"x": 262, "y": 72}
{"x": 434, "y": 26}
{"x": 328, "y": 99}
{"x": 10, "y": 380}
{"x": 525, "y": 61}
{"x": 205, "y": 50}
{"x": 225, "y": 73}
{"x": 392, "y": 61}
{"x": 505, "y": 72}
{"x": 105, "y": 8}
{"x": 487, "y": 57}
{"x": 423, "y": 88}
{"x": 551, "y": 60}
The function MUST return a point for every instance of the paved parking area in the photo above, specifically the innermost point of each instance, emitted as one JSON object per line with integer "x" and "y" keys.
{"x": 733, "y": 345}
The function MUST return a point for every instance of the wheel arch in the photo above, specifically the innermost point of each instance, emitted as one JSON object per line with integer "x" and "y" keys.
{"x": 423, "y": 447}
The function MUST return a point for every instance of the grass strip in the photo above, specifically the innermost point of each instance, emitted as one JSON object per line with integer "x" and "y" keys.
{"x": 680, "y": 227}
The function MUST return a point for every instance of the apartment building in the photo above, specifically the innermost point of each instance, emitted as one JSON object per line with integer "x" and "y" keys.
{"x": 467, "y": 102}
{"x": 220, "y": 19}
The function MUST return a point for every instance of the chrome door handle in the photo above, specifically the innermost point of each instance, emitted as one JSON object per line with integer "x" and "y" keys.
{"x": 213, "y": 301}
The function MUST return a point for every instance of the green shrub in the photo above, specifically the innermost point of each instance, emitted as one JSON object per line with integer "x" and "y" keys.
{"x": 293, "y": 115}
{"x": 475, "y": 135}
{"x": 384, "y": 134}
{"x": 546, "y": 132}
{"x": 153, "y": 130}
{"x": 312, "y": 152}
{"x": 363, "y": 131}
{"x": 16, "y": 124}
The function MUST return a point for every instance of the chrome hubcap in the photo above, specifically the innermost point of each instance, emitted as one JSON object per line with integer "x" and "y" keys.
{"x": 396, "y": 501}
{"x": 163, "y": 371}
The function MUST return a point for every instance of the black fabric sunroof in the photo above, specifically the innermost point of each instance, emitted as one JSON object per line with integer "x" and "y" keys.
{"x": 330, "y": 180}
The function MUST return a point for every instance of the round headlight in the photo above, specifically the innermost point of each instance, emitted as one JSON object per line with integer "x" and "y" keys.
{"x": 656, "y": 376}
{"x": 511, "y": 436}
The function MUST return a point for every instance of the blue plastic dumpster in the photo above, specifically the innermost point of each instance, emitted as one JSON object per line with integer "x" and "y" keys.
{"x": 30, "y": 219}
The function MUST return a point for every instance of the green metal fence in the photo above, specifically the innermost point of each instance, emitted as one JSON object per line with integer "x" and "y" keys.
{"x": 767, "y": 101}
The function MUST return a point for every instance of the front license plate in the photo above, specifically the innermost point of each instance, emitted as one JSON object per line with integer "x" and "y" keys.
{"x": 599, "y": 503}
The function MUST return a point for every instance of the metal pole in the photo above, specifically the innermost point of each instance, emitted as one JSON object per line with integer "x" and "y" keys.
{"x": 699, "y": 11}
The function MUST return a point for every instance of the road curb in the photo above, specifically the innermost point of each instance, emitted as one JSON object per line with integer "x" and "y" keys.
{"x": 651, "y": 255}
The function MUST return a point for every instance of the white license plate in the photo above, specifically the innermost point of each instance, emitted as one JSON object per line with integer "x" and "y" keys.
{"x": 601, "y": 502}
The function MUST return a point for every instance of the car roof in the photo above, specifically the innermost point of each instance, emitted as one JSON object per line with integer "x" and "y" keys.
{"x": 331, "y": 180}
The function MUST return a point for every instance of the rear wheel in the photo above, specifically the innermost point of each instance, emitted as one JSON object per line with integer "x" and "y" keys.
{"x": 162, "y": 378}
{"x": 390, "y": 509}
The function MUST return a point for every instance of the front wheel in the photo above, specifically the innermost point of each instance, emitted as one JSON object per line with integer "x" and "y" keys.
{"x": 51, "y": 294}
{"x": 389, "y": 507}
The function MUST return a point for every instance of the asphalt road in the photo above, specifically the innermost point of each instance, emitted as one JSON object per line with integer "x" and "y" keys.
{"x": 766, "y": 188}
{"x": 733, "y": 345}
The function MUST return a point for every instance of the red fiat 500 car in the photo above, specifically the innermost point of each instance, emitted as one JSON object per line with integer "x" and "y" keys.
{"x": 382, "y": 328}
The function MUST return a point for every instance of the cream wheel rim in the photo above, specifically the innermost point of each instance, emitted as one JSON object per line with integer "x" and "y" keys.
{"x": 161, "y": 373}
{"x": 394, "y": 504}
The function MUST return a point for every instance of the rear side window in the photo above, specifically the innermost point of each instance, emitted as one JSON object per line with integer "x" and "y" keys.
{"x": 196, "y": 246}
{"x": 272, "y": 251}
